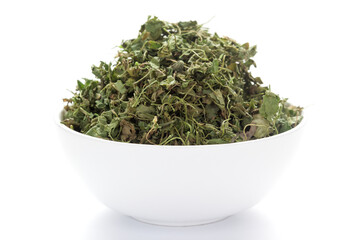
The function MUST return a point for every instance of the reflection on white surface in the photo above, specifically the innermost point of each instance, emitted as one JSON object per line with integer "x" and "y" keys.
{"x": 249, "y": 225}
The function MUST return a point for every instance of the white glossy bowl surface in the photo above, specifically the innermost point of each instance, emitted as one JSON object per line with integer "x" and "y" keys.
{"x": 179, "y": 185}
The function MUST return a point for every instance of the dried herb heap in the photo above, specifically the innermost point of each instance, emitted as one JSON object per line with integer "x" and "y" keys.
{"x": 177, "y": 84}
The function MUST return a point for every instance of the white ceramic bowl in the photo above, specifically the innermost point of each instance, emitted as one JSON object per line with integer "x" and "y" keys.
{"x": 179, "y": 185}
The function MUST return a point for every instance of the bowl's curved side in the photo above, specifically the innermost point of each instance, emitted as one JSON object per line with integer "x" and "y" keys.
{"x": 182, "y": 185}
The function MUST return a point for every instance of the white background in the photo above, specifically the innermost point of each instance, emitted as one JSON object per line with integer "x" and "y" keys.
{"x": 307, "y": 50}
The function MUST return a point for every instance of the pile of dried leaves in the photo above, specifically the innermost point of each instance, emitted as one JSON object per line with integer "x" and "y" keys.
{"x": 177, "y": 84}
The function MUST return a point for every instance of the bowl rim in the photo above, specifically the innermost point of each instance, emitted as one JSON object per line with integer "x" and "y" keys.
{"x": 58, "y": 116}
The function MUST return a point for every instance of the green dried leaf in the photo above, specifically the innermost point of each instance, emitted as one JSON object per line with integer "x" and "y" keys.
{"x": 188, "y": 24}
{"x": 80, "y": 85}
{"x": 145, "y": 112}
{"x": 216, "y": 141}
{"x": 153, "y": 45}
{"x": 178, "y": 66}
{"x": 155, "y": 62}
{"x": 215, "y": 66}
{"x": 263, "y": 128}
{"x": 145, "y": 109}
{"x": 178, "y": 84}
{"x": 168, "y": 82}
{"x": 252, "y": 51}
{"x": 211, "y": 111}
{"x": 270, "y": 105}
{"x": 217, "y": 96}
{"x": 97, "y": 131}
{"x": 154, "y": 26}
{"x": 120, "y": 87}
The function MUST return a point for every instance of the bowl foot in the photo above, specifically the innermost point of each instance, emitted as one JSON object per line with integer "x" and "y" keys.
{"x": 179, "y": 224}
